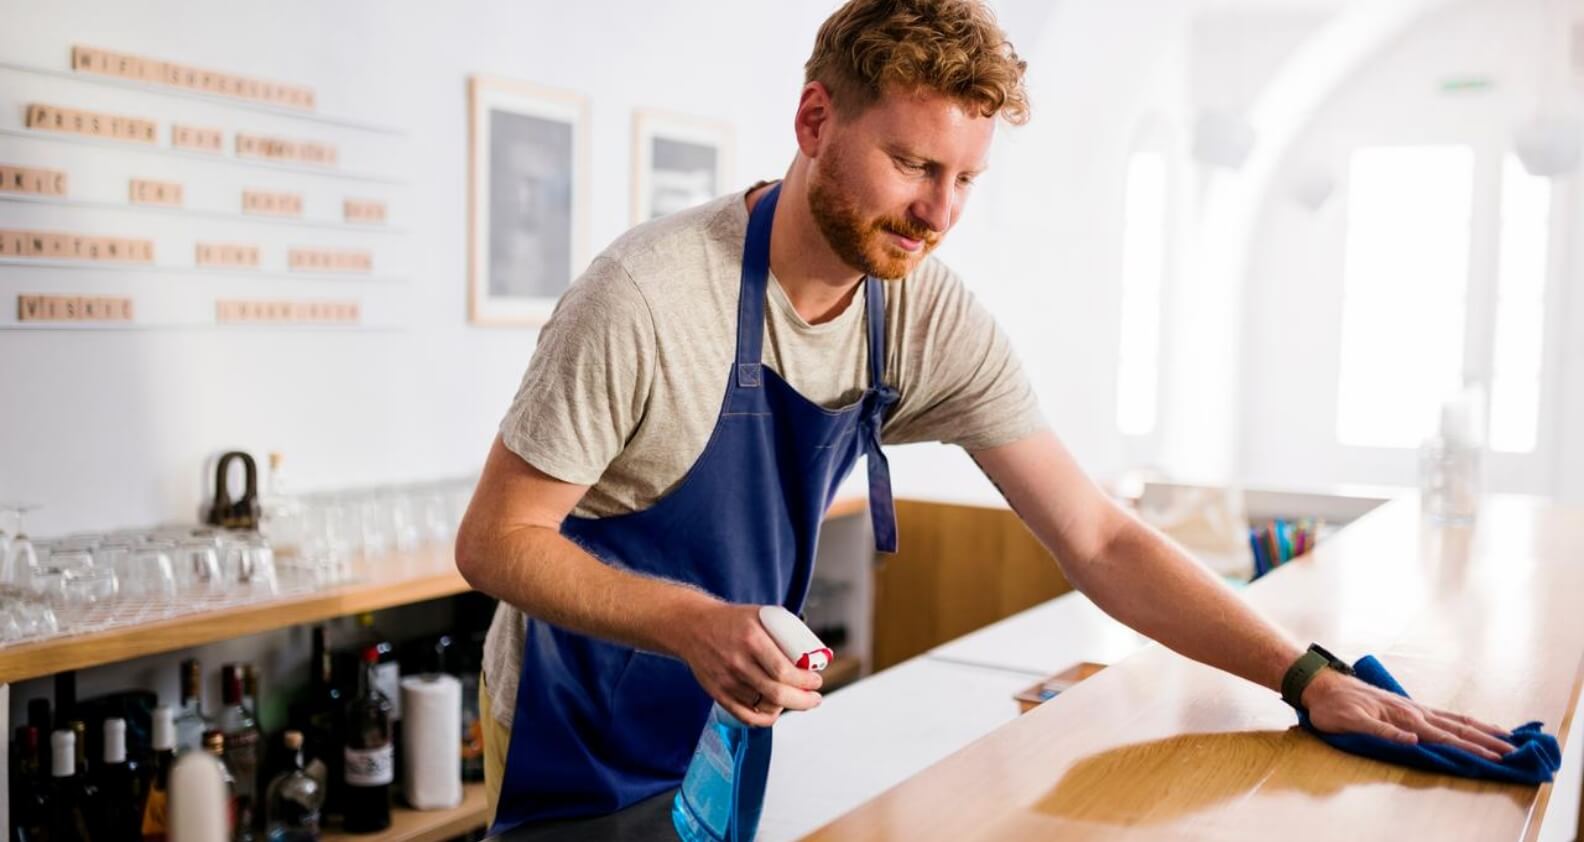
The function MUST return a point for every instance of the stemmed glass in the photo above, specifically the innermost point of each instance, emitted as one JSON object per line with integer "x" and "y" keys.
{"x": 20, "y": 558}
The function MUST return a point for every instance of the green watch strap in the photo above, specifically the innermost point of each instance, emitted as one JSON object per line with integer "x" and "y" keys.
{"x": 1304, "y": 670}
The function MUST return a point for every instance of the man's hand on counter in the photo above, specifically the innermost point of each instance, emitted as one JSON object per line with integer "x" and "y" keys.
{"x": 1340, "y": 704}
{"x": 741, "y": 667}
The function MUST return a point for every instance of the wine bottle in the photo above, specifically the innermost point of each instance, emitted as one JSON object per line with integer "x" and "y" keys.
{"x": 369, "y": 757}
{"x": 68, "y": 796}
{"x": 190, "y": 720}
{"x": 117, "y": 810}
{"x": 163, "y": 741}
{"x": 318, "y": 716}
{"x": 295, "y": 798}
{"x": 30, "y": 804}
{"x": 241, "y": 748}
{"x": 38, "y": 716}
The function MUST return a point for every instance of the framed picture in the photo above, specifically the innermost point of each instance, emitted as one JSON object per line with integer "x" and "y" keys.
{"x": 678, "y": 162}
{"x": 528, "y": 161}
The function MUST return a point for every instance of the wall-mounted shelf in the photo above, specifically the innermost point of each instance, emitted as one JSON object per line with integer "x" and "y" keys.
{"x": 207, "y": 157}
{"x": 392, "y": 581}
{"x": 243, "y": 274}
{"x": 179, "y": 93}
{"x": 201, "y": 213}
{"x": 383, "y": 583}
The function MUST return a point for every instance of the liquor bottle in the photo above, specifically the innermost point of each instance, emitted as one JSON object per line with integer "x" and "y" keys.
{"x": 369, "y": 756}
{"x": 190, "y": 720}
{"x": 163, "y": 741}
{"x": 30, "y": 804}
{"x": 214, "y": 743}
{"x": 68, "y": 797}
{"x": 118, "y": 782}
{"x": 295, "y": 798}
{"x": 241, "y": 748}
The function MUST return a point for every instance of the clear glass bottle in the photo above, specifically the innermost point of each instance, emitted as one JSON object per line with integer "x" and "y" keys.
{"x": 295, "y": 798}
{"x": 190, "y": 720}
{"x": 214, "y": 743}
{"x": 242, "y": 739}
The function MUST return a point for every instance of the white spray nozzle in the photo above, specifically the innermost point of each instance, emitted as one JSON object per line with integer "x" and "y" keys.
{"x": 800, "y": 645}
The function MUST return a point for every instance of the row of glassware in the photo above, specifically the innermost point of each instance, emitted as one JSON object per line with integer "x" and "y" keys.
{"x": 90, "y": 581}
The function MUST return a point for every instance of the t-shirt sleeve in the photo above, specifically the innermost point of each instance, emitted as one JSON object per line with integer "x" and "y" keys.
{"x": 968, "y": 387}
{"x": 588, "y": 383}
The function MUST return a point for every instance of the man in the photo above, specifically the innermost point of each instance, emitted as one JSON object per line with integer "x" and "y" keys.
{"x": 702, "y": 390}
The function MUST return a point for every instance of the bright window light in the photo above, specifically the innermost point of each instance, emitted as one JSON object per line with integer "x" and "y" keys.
{"x": 1405, "y": 277}
{"x": 1520, "y": 309}
{"x": 1144, "y": 226}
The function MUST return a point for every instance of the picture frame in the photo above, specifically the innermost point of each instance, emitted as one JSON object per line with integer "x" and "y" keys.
{"x": 678, "y": 161}
{"x": 528, "y": 198}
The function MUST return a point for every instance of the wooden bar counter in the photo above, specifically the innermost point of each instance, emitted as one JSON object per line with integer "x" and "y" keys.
{"x": 1487, "y": 620}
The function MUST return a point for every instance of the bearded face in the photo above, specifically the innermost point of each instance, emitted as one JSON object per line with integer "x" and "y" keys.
{"x": 885, "y": 245}
{"x": 889, "y": 183}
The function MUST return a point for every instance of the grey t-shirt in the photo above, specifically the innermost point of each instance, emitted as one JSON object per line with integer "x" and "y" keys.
{"x": 625, "y": 386}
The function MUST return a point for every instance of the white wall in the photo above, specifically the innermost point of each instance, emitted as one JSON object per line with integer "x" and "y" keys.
{"x": 1040, "y": 243}
{"x": 109, "y": 429}
{"x": 1293, "y": 288}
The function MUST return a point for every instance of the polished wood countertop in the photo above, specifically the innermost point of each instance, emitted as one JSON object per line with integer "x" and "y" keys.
{"x": 1487, "y": 620}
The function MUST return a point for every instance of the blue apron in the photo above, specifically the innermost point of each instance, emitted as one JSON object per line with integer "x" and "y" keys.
{"x": 599, "y": 726}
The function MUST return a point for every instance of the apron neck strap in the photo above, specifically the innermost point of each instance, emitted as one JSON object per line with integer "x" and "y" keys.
{"x": 751, "y": 300}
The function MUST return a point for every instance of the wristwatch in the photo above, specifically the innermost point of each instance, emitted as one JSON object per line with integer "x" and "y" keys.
{"x": 1304, "y": 671}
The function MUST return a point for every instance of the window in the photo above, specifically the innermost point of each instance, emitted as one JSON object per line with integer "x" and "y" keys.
{"x": 1144, "y": 226}
{"x": 1520, "y": 309}
{"x": 1405, "y": 277}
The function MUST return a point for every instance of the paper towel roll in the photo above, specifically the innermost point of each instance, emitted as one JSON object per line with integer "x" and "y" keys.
{"x": 432, "y": 735}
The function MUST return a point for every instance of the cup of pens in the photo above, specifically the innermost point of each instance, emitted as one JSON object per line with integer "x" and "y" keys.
{"x": 1280, "y": 541}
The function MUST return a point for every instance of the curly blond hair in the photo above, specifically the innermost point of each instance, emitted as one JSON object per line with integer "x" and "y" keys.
{"x": 951, "y": 47}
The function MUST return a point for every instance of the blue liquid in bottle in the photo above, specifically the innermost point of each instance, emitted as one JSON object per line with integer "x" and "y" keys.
{"x": 722, "y": 794}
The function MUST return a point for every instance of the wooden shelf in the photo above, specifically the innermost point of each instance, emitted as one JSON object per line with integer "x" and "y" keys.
{"x": 384, "y": 583}
{"x": 397, "y": 580}
{"x": 427, "y": 825}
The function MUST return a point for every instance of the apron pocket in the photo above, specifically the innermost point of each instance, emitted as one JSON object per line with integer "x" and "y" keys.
{"x": 660, "y": 710}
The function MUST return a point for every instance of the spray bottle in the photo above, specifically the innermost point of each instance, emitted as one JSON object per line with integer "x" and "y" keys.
{"x": 723, "y": 791}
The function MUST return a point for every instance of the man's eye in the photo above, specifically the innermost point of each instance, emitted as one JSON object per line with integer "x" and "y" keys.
{"x": 910, "y": 166}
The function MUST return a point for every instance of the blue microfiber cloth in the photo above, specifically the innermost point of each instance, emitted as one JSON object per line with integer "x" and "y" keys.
{"x": 1535, "y": 761}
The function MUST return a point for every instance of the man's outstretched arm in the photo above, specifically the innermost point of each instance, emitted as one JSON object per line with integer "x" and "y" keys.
{"x": 1141, "y": 578}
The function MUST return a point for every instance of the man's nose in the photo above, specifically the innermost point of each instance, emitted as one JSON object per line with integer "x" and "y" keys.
{"x": 934, "y": 208}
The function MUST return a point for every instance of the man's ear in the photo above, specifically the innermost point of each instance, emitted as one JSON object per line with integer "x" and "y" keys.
{"x": 815, "y": 116}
